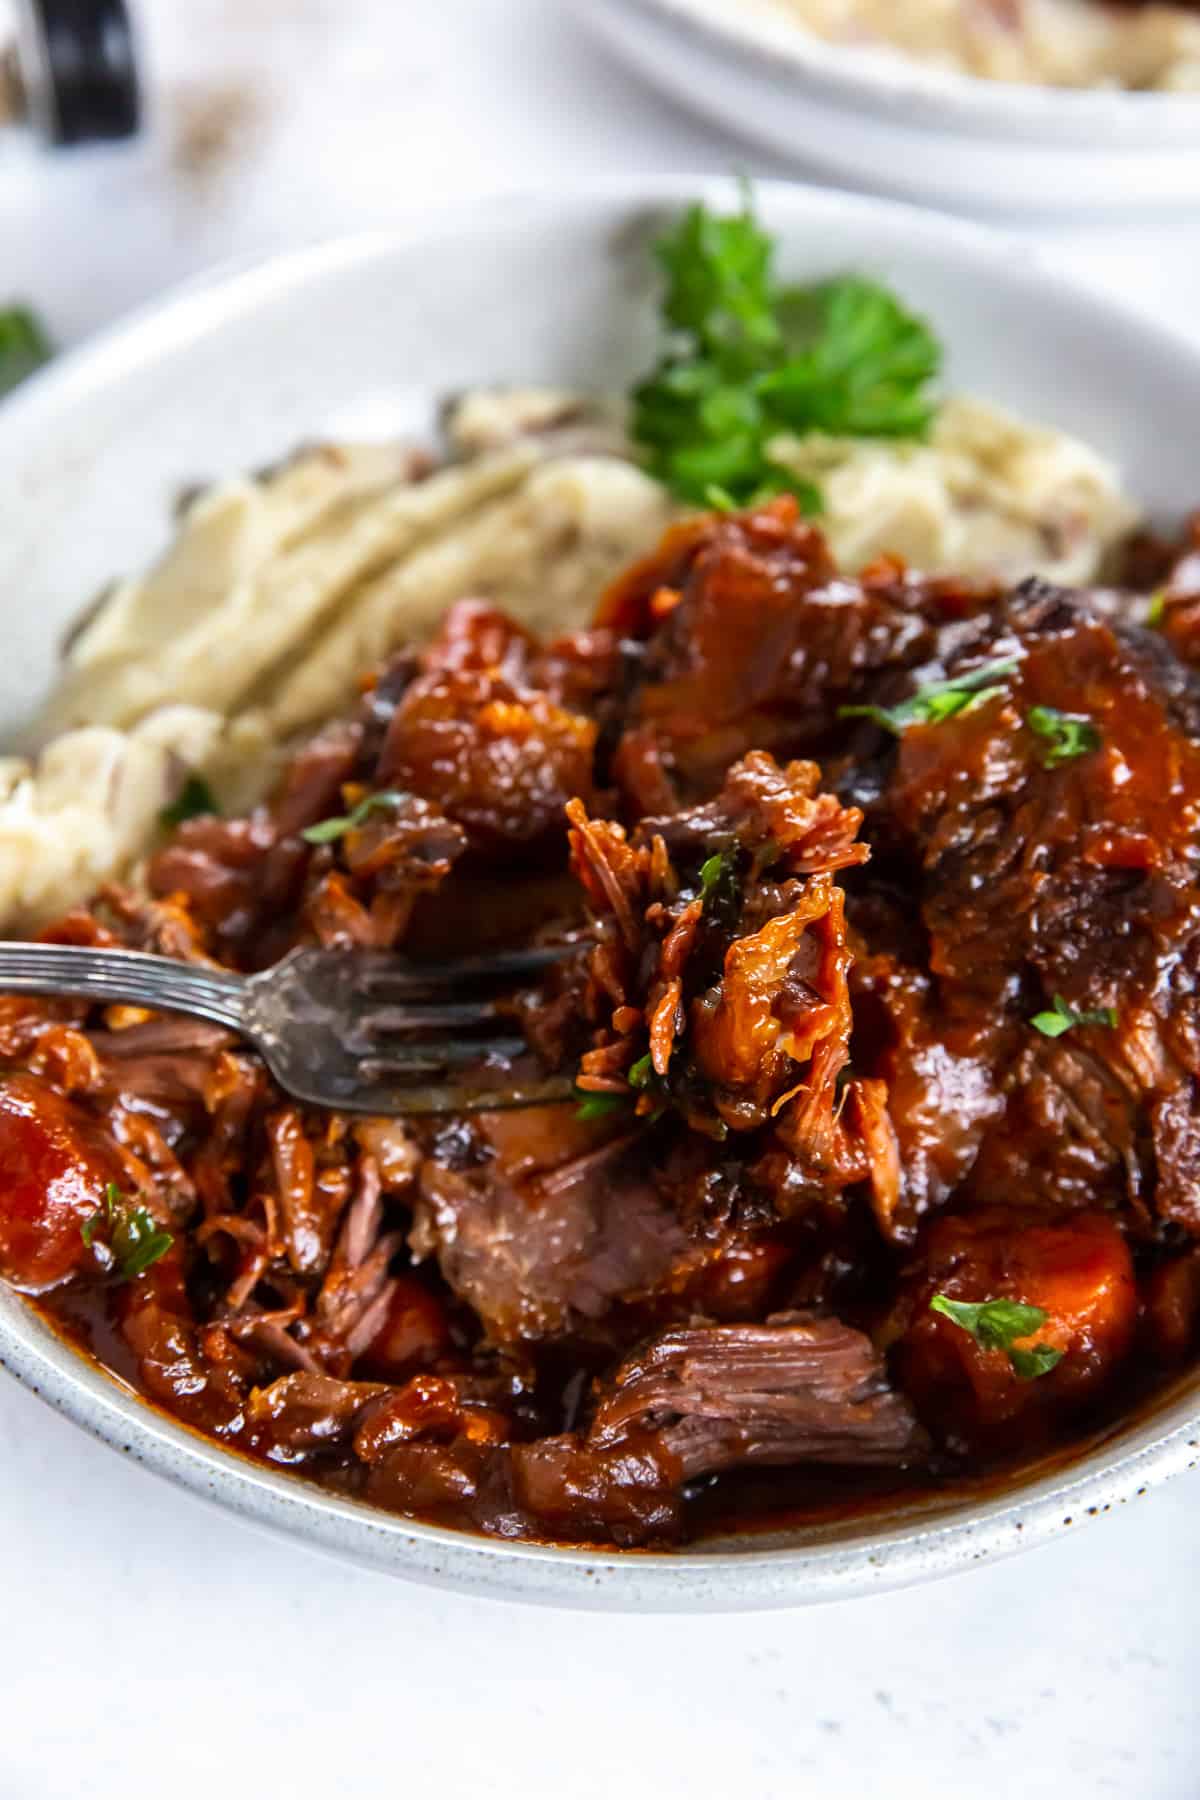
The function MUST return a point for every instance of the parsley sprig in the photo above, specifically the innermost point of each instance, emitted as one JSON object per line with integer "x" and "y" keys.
{"x": 129, "y": 1233}
{"x": 940, "y": 700}
{"x": 1067, "y": 735}
{"x": 748, "y": 360}
{"x": 600, "y": 1104}
{"x": 641, "y": 1078}
{"x": 24, "y": 346}
{"x": 1060, "y": 1017}
{"x": 328, "y": 831}
{"x": 712, "y": 871}
{"x": 720, "y": 893}
{"x": 193, "y": 801}
{"x": 996, "y": 1325}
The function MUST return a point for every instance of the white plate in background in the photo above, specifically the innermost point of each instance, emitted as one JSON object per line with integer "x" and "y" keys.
{"x": 893, "y": 124}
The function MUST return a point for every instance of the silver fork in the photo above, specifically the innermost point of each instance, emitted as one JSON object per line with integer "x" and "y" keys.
{"x": 358, "y": 1031}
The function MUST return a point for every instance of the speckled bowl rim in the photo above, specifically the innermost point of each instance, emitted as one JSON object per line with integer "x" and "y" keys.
{"x": 917, "y": 1542}
{"x": 760, "y": 1572}
{"x": 904, "y": 90}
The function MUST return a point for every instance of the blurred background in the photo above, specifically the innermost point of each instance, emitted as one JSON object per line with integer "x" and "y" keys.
{"x": 270, "y": 122}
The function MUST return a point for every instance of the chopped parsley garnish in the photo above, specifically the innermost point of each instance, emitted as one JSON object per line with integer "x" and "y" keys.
{"x": 1067, "y": 734}
{"x": 24, "y": 346}
{"x": 748, "y": 360}
{"x": 711, "y": 872}
{"x": 1156, "y": 610}
{"x": 720, "y": 895}
{"x": 996, "y": 1325}
{"x": 940, "y": 700}
{"x": 1061, "y": 1017}
{"x": 641, "y": 1077}
{"x": 1039, "y": 1360}
{"x": 598, "y": 1105}
{"x": 328, "y": 831}
{"x": 129, "y": 1232}
{"x": 193, "y": 801}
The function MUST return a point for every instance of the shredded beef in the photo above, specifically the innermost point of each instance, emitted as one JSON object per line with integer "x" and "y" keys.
{"x": 795, "y": 1389}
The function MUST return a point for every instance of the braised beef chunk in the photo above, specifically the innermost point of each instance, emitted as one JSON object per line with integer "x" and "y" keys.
{"x": 631, "y": 1494}
{"x": 753, "y": 640}
{"x": 1055, "y": 867}
{"x": 472, "y": 734}
{"x": 693, "y": 1401}
{"x": 881, "y": 904}
{"x": 797, "y": 1389}
{"x": 545, "y": 1250}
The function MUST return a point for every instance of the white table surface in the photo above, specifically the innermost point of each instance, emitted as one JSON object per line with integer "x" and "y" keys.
{"x": 150, "y": 1647}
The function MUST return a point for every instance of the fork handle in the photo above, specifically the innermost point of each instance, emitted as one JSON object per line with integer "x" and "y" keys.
{"x": 132, "y": 976}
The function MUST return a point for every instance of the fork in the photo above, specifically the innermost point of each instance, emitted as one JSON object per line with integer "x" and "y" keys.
{"x": 354, "y": 1030}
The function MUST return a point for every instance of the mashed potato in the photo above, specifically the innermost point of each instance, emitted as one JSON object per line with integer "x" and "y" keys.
{"x": 278, "y": 592}
{"x": 1058, "y": 43}
{"x": 986, "y": 492}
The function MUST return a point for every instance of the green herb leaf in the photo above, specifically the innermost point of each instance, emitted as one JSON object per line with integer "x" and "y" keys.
{"x": 193, "y": 801}
{"x": 1062, "y": 1017}
{"x": 712, "y": 871}
{"x": 1156, "y": 610}
{"x": 996, "y": 1325}
{"x": 862, "y": 363}
{"x": 134, "y": 1238}
{"x": 747, "y": 360}
{"x": 24, "y": 346}
{"x": 138, "y": 1243}
{"x": 598, "y": 1105}
{"x": 641, "y": 1074}
{"x": 940, "y": 700}
{"x": 328, "y": 831}
{"x": 1067, "y": 734}
{"x": 1029, "y": 1364}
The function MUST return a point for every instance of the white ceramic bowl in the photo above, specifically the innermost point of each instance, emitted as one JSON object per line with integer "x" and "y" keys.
{"x": 365, "y": 335}
{"x": 892, "y": 124}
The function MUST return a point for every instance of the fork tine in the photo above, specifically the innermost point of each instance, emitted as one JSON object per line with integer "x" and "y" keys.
{"x": 337, "y": 1028}
{"x": 427, "y": 1059}
{"x": 393, "y": 978}
{"x": 442, "y": 1016}
{"x": 432, "y": 1102}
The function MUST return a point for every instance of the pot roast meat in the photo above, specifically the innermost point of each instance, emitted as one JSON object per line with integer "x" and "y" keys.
{"x": 797, "y": 1389}
{"x": 719, "y": 982}
{"x": 1038, "y": 877}
{"x": 631, "y": 1495}
{"x": 498, "y": 756}
{"x": 310, "y": 1411}
{"x": 753, "y": 639}
{"x": 798, "y": 1006}
{"x": 546, "y": 1250}
{"x": 695, "y": 1400}
{"x": 938, "y": 1093}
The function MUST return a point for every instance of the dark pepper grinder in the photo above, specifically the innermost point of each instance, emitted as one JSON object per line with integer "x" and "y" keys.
{"x": 71, "y": 72}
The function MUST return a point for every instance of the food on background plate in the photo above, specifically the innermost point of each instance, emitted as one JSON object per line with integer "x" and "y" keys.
{"x": 1136, "y": 44}
{"x": 878, "y": 887}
